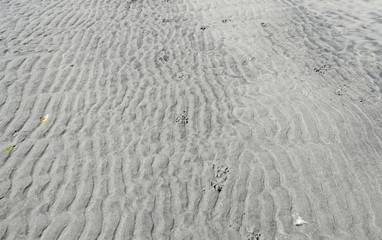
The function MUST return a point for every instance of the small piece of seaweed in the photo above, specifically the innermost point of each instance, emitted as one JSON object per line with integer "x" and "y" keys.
{"x": 9, "y": 148}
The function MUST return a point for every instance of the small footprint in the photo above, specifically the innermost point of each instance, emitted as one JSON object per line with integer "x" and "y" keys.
{"x": 179, "y": 76}
{"x": 220, "y": 177}
{"x": 164, "y": 55}
{"x": 252, "y": 234}
{"x": 183, "y": 119}
{"x": 321, "y": 69}
{"x": 341, "y": 90}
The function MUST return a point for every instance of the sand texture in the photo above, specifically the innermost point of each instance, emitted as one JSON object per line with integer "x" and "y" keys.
{"x": 190, "y": 119}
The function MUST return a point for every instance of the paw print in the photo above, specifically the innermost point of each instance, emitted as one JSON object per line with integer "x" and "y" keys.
{"x": 321, "y": 69}
{"x": 220, "y": 177}
{"x": 164, "y": 55}
{"x": 253, "y": 234}
{"x": 340, "y": 91}
{"x": 183, "y": 119}
{"x": 226, "y": 20}
{"x": 180, "y": 75}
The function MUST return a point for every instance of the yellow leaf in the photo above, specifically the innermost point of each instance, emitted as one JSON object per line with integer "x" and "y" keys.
{"x": 8, "y": 149}
{"x": 44, "y": 119}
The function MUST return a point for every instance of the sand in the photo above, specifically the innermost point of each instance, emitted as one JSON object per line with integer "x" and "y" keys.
{"x": 189, "y": 119}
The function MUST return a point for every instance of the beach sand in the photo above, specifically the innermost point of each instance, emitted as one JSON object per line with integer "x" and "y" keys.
{"x": 189, "y": 119}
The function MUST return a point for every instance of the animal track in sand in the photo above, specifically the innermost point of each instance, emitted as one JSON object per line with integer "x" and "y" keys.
{"x": 129, "y": 3}
{"x": 180, "y": 76}
{"x": 164, "y": 55}
{"x": 341, "y": 90}
{"x": 220, "y": 177}
{"x": 226, "y": 20}
{"x": 183, "y": 119}
{"x": 321, "y": 69}
{"x": 253, "y": 234}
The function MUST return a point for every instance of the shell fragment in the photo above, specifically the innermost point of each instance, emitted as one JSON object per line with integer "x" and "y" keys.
{"x": 44, "y": 119}
{"x": 299, "y": 221}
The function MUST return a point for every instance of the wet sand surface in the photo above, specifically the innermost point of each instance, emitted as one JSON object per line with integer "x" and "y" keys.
{"x": 141, "y": 119}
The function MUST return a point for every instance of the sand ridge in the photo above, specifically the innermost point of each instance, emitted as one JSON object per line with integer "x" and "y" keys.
{"x": 189, "y": 119}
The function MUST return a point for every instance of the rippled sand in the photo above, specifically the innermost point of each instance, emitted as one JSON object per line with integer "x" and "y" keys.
{"x": 219, "y": 119}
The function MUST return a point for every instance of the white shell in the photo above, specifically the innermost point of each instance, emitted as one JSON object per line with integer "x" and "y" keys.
{"x": 299, "y": 221}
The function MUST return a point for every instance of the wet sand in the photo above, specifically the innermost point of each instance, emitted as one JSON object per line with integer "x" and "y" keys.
{"x": 251, "y": 120}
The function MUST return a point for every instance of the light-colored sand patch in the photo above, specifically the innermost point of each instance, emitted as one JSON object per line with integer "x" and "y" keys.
{"x": 190, "y": 119}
